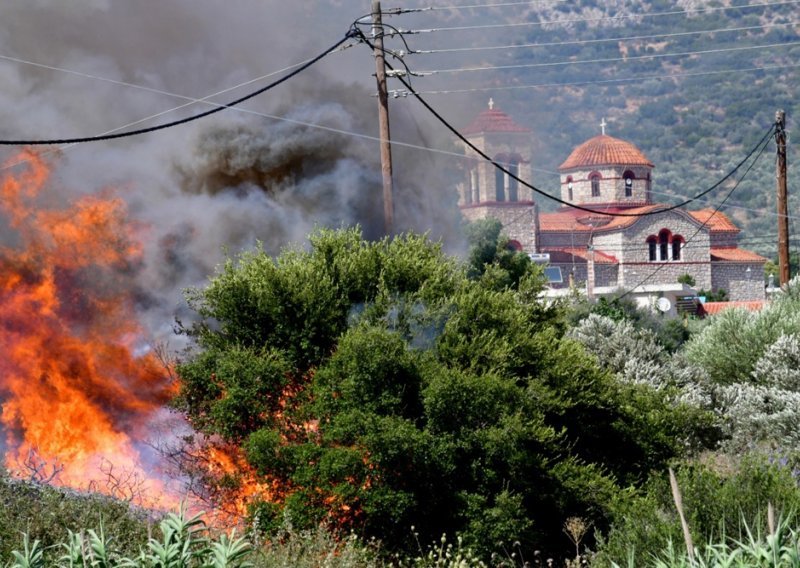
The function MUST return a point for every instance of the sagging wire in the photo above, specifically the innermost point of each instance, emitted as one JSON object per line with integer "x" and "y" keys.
{"x": 114, "y": 136}
{"x": 543, "y": 193}
{"x": 763, "y": 146}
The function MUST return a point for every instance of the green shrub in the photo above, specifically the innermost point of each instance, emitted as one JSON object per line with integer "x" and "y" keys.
{"x": 760, "y": 549}
{"x": 719, "y": 504}
{"x": 47, "y": 514}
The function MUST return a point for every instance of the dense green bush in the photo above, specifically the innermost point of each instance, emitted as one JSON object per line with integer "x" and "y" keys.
{"x": 719, "y": 502}
{"x": 46, "y": 514}
{"x": 410, "y": 393}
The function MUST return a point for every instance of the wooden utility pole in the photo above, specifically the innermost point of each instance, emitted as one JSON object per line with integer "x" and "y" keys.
{"x": 383, "y": 117}
{"x": 590, "y": 271}
{"x": 783, "y": 207}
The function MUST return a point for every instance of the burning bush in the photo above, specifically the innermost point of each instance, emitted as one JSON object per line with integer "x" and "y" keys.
{"x": 76, "y": 398}
{"x": 372, "y": 386}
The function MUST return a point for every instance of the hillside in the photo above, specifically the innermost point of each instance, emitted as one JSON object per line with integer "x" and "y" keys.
{"x": 694, "y": 84}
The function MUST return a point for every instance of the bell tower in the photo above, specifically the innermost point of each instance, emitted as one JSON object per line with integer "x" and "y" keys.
{"x": 487, "y": 191}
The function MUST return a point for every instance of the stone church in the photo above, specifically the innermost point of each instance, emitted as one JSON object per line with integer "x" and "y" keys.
{"x": 594, "y": 251}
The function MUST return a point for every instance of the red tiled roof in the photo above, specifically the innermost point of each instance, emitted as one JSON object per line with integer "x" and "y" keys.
{"x": 718, "y": 223}
{"x": 558, "y": 255}
{"x": 568, "y": 220}
{"x": 711, "y": 308}
{"x": 733, "y": 254}
{"x": 493, "y": 120}
{"x": 605, "y": 150}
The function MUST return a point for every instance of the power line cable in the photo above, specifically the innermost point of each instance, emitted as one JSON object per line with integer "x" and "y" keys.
{"x": 397, "y": 11}
{"x": 152, "y": 89}
{"x": 240, "y": 100}
{"x": 512, "y": 175}
{"x": 599, "y": 82}
{"x": 730, "y": 205}
{"x": 660, "y": 267}
{"x": 599, "y": 40}
{"x": 635, "y": 247}
{"x": 205, "y": 100}
{"x": 604, "y": 60}
{"x": 497, "y": 165}
{"x": 602, "y": 18}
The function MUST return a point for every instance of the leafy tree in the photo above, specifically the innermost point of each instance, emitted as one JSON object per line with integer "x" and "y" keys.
{"x": 374, "y": 386}
{"x": 772, "y": 268}
{"x": 719, "y": 295}
{"x": 490, "y": 251}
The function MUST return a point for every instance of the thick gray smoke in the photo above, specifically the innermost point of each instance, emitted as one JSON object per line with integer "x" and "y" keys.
{"x": 235, "y": 178}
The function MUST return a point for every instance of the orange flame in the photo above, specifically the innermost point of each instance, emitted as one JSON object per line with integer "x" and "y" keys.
{"x": 74, "y": 396}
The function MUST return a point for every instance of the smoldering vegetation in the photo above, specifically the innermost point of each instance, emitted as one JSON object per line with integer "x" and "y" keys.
{"x": 266, "y": 173}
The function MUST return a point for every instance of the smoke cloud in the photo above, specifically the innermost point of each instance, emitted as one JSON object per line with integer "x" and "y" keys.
{"x": 226, "y": 182}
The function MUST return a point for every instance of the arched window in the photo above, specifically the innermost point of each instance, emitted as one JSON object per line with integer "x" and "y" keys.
{"x": 628, "y": 178}
{"x": 474, "y": 190}
{"x": 515, "y": 245}
{"x": 569, "y": 188}
{"x": 513, "y": 168}
{"x": 663, "y": 244}
{"x": 677, "y": 245}
{"x": 594, "y": 178}
{"x": 652, "y": 247}
{"x": 500, "y": 179}
{"x": 647, "y": 187}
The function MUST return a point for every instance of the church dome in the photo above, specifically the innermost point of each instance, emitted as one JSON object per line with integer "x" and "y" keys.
{"x": 604, "y": 150}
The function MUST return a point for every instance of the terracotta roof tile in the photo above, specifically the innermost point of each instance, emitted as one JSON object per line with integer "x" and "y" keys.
{"x": 733, "y": 254}
{"x": 605, "y": 150}
{"x": 569, "y": 220}
{"x": 718, "y": 223}
{"x": 493, "y": 120}
{"x": 711, "y": 308}
{"x": 560, "y": 255}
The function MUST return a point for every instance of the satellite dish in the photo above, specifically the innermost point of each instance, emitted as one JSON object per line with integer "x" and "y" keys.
{"x": 663, "y": 305}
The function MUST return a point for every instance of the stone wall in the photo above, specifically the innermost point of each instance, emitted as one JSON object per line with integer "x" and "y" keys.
{"x": 726, "y": 239}
{"x": 737, "y": 282}
{"x": 634, "y": 255}
{"x": 577, "y": 271}
{"x": 636, "y": 273}
{"x": 612, "y": 185}
{"x": 604, "y": 274}
{"x": 577, "y": 239}
{"x": 519, "y": 220}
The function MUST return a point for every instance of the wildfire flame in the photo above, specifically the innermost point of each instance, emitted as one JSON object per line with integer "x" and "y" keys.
{"x": 75, "y": 398}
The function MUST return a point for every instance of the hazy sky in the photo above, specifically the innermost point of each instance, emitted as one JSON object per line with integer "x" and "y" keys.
{"x": 236, "y": 177}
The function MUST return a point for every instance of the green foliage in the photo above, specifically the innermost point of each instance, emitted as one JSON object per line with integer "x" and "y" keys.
{"x": 410, "y": 394}
{"x": 47, "y": 515}
{"x": 687, "y": 279}
{"x": 719, "y": 505}
{"x": 670, "y": 333}
{"x": 694, "y": 130}
{"x": 733, "y": 342}
{"x": 718, "y": 295}
{"x": 492, "y": 258}
{"x": 759, "y": 549}
{"x": 315, "y": 548}
{"x": 772, "y": 267}
{"x": 184, "y": 544}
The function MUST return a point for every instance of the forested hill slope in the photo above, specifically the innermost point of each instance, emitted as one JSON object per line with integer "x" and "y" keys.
{"x": 694, "y": 83}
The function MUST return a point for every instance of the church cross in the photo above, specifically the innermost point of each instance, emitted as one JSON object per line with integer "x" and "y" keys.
{"x": 603, "y": 126}
{"x": 491, "y": 103}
